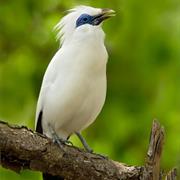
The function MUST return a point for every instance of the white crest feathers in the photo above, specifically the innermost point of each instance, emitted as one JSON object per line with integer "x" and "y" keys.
{"x": 67, "y": 24}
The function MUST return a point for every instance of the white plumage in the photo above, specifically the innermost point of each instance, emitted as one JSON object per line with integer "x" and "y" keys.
{"x": 73, "y": 90}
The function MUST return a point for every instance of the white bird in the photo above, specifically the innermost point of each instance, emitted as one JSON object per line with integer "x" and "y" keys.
{"x": 73, "y": 90}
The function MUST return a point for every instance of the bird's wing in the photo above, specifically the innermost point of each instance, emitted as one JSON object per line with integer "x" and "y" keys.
{"x": 47, "y": 81}
{"x": 39, "y": 108}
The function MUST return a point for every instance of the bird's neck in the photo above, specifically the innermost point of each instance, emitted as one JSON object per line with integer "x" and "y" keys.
{"x": 89, "y": 53}
{"x": 86, "y": 35}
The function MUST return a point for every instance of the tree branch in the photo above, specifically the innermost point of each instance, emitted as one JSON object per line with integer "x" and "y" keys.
{"x": 21, "y": 148}
{"x": 172, "y": 175}
{"x": 152, "y": 166}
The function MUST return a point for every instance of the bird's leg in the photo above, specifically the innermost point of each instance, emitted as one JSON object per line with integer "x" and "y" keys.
{"x": 57, "y": 139}
{"x": 86, "y": 146}
{"x": 83, "y": 141}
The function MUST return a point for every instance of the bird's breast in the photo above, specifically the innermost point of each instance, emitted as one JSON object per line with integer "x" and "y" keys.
{"x": 91, "y": 56}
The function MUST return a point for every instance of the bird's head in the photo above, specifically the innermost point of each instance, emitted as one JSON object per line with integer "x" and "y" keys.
{"x": 82, "y": 21}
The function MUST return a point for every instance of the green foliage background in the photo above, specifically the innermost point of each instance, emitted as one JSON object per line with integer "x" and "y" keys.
{"x": 143, "y": 42}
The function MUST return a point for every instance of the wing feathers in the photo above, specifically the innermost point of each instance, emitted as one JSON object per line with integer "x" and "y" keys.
{"x": 39, "y": 123}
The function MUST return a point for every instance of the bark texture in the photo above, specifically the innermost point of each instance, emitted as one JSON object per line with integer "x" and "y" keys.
{"x": 21, "y": 148}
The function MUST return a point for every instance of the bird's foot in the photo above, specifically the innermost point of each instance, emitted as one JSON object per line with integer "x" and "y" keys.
{"x": 61, "y": 141}
{"x": 66, "y": 142}
{"x": 88, "y": 149}
{"x": 101, "y": 155}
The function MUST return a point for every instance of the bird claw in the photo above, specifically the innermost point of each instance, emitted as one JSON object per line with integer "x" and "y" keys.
{"x": 68, "y": 142}
{"x": 60, "y": 141}
{"x": 101, "y": 156}
{"x": 57, "y": 139}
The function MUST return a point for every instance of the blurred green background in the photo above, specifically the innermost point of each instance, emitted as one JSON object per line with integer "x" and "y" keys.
{"x": 143, "y": 42}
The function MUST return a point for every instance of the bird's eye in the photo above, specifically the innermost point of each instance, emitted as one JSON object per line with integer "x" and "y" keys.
{"x": 85, "y": 19}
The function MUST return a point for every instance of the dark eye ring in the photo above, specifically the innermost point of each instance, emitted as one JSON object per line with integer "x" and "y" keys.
{"x": 85, "y": 19}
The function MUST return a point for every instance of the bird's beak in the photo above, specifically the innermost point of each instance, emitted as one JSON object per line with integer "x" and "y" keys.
{"x": 105, "y": 14}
